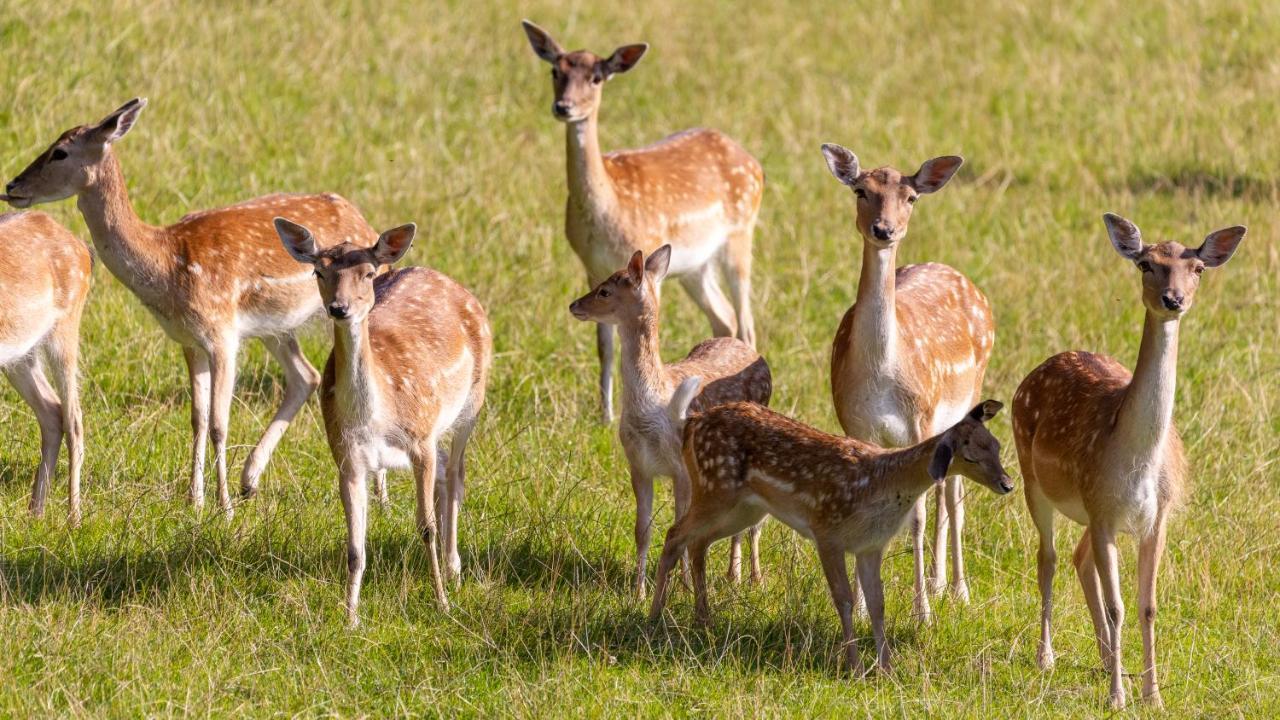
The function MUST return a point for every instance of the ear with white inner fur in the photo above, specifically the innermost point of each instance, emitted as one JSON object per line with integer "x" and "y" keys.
{"x": 543, "y": 45}
{"x": 678, "y": 408}
{"x": 841, "y": 162}
{"x": 935, "y": 173}
{"x": 1124, "y": 235}
{"x": 658, "y": 263}
{"x": 117, "y": 124}
{"x": 624, "y": 58}
{"x": 1218, "y": 248}
{"x": 941, "y": 460}
{"x": 394, "y": 243}
{"x": 986, "y": 410}
{"x": 297, "y": 240}
{"x": 635, "y": 268}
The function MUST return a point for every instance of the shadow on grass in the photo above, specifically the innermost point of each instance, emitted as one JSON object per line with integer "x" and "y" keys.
{"x": 1202, "y": 181}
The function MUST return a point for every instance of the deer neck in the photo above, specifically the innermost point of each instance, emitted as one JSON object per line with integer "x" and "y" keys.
{"x": 355, "y": 388}
{"x": 644, "y": 378}
{"x": 875, "y": 319}
{"x": 906, "y": 471}
{"x": 590, "y": 189}
{"x": 132, "y": 250}
{"x": 1146, "y": 413}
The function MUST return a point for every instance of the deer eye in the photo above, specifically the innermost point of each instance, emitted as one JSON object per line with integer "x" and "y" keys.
{"x": 58, "y": 154}
{"x": 912, "y": 199}
{"x": 369, "y": 275}
{"x": 1199, "y": 269}
{"x": 597, "y": 78}
{"x": 605, "y": 292}
{"x": 316, "y": 273}
{"x": 1144, "y": 266}
{"x": 862, "y": 194}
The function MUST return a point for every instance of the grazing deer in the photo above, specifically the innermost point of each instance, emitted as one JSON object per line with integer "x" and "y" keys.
{"x": 697, "y": 190}
{"x": 1099, "y": 446}
{"x": 211, "y": 279}
{"x": 746, "y": 461}
{"x": 411, "y": 357}
{"x": 910, "y": 355}
{"x": 731, "y": 369}
{"x": 44, "y": 281}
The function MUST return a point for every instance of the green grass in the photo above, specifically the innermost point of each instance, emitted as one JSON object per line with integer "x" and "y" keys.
{"x": 439, "y": 113}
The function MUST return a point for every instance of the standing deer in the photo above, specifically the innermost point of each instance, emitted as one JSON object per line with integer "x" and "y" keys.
{"x": 731, "y": 369}
{"x": 211, "y": 280}
{"x": 1099, "y": 446}
{"x": 910, "y": 355}
{"x": 847, "y": 496}
{"x": 411, "y": 357}
{"x": 44, "y": 282}
{"x": 697, "y": 190}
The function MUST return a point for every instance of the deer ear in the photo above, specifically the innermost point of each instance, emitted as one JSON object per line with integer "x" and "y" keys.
{"x": 624, "y": 58}
{"x": 1220, "y": 246}
{"x": 297, "y": 240}
{"x": 117, "y": 124}
{"x": 543, "y": 45}
{"x": 1125, "y": 236}
{"x": 935, "y": 173}
{"x": 658, "y": 263}
{"x": 841, "y": 162}
{"x": 941, "y": 460}
{"x": 986, "y": 410}
{"x": 394, "y": 243}
{"x": 635, "y": 268}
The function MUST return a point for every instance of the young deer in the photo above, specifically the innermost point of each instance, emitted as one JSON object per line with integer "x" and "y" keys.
{"x": 211, "y": 279}
{"x": 696, "y": 190}
{"x": 411, "y": 356}
{"x": 847, "y": 496}
{"x": 731, "y": 369}
{"x": 910, "y": 355}
{"x": 1099, "y": 446}
{"x": 44, "y": 281}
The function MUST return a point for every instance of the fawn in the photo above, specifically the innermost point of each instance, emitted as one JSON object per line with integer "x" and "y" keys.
{"x": 697, "y": 190}
{"x": 909, "y": 357}
{"x": 411, "y": 356}
{"x": 746, "y": 461}
{"x": 730, "y": 368}
{"x": 1098, "y": 445}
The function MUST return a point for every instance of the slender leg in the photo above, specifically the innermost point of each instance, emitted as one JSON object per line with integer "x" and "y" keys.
{"x": 698, "y": 562}
{"x": 355, "y": 503}
{"x": 642, "y": 485}
{"x": 672, "y": 550}
{"x": 424, "y": 469}
{"x": 380, "y": 487}
{"x": 222, "y": 371}
{"x": 734, "y": 573}
{"x": 604, "y": 351}
{"x": 955, "y": 506}
{"x": 198, "y": 373}
{"x": 1149, "y": 552}
{"x": 737, "y": 272}
{"x": 456, "y": 476}
{"x": 704, "y": 288}
{"x": 1108, "y": 561}
{"x": 27, "y": 377}
{"x": 757, "y": 576}
{"x": 1046, "y": 566}
{"x": 936, "y": 574}
{"x": 837, "y": 574}
{"x": 65, "y": 356}
{"x": 1087, "y": 572}
{"x": 921, "y": 604}
{"x": 869, "y": 576}
{"x": 300, "y": 380}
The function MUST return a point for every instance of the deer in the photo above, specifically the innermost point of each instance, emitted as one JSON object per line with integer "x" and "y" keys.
{"x": 909, "y": 357}
{"x": 731, "y": 369}
{"x": 412, "y": 350}
{"x": 746, "y": 461}
{"x": 45, "y": 273}
{"x": 1098, "y": 445}
{"x": 697, "y": 190}
{"x": 211, "y": 280}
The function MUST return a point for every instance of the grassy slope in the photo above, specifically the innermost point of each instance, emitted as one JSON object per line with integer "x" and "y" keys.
{"x": 441, "y": 115}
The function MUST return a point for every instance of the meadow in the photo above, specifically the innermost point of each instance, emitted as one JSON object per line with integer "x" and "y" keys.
{"x": 439, "y": 113}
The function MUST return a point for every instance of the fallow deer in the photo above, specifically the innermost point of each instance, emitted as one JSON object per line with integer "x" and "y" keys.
{"x": 730, "y": 368}
{"x": 411, "y": 356}
{"x": 909, "y": 357}
{"x": 44, "y": 281}
{"x": 847, "y": 496}
{"x": 697, "y": 190}
{"x": 1099, "y": 446}
{"x": 211, "y": 279}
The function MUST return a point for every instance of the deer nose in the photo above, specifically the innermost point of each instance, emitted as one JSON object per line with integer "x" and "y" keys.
{"x": 560, "y": 108}
{"x": 882, "y": 230}
{"x": 1172, "y": 300}
{"x": 338, "y": 311}
{"x": 12, "y": 184}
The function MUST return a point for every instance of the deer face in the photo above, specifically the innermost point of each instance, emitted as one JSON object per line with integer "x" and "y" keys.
{"x": 627, "y": 293}
{"x": 73, "y": 161}
{"x": 1170, "y": 271}
{"x": 345, "y": 272}
{"x": 886, "y": 197}
{"x": 969, "y": 449}
{"x": 577, "y": 77}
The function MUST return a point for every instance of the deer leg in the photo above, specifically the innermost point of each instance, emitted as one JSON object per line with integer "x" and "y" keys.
{"x": 198, "y": 374}
{"x": 936, "y": 577}
{"x": 222, "y": 371}
{"x": 704, "y": 288}
{"x": 736, "y": 268}
{"x": 1087, "y": 572}
{"x": 355, "y": 504}
{"x": 1150, "y": 551}
{"x": 604, "y": 351}
{"x": 921, "y": 604}
{"x": 642, "y": 486}
{"x": 380, "y": 489}
{"x": 27, "y": 377}
{"x": 734, "y": 574}
{"x": 456, "y": 476}
{"x": 955, "y": 507}
{"x": 300, "y": 380}
{"x": 837, "y": 574}
{"x": 872, "y": 586}
{"x": 424, "y": 470}
{"x": 1046, "y": 566}
{"x": 698, "y": 562}
{"x": 65, "y": 356}
{"x": 757, "y": 576}
{"x": 1107, "y": 559}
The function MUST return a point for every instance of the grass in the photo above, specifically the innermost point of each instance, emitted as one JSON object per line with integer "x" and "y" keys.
{"x": 439, "y": 113}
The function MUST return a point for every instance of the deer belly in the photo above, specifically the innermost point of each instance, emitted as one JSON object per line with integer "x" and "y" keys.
{"x": 384, "y": 453}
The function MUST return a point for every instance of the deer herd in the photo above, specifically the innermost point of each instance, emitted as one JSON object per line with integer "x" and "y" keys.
{"x": 413, "y": 349}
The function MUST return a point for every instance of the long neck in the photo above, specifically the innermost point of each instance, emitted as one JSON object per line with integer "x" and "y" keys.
{"x": 134, "y": 251}
{"x": 906, "y": 471}
{"x": 644, "y": 380}
{"x": 353, "y": 371}
{"x": 1146, "y": 412}
{"x": 589, "y": 184}
{"x": 875, "y": 320}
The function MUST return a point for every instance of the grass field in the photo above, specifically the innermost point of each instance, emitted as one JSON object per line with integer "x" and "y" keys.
{"x": 439, "y": 113}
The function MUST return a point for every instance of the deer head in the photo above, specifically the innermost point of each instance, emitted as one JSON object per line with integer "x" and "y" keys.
{"x": 1170, "y": 271}
{"x": 345, "y": 272}
{"x": 886, "y": 197}
{"x": 578, "y": 76}
{"x": 968, "y": 448}
{"x": 627, "y": 293}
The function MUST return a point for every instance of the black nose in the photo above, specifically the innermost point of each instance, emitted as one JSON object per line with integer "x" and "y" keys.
{"x": 1172, "y": 301}
{"x": 338, "y": 311}
{"x": 881, "y": 231}
{"x": 560, "y": 108}
{"x": 9, "y": 188}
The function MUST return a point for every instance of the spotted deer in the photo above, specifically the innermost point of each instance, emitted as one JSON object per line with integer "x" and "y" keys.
{"x": 1099, "y": 446}
{"x": 44, "y": 282}
{"x": 411, "y": 356}
{"x": 910, "y": 354}
{"x": 697, "y": 190}
{"x": 211, "y": 280}
{"x": 847, "y": 496}
{"x": 730, "y": 368}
